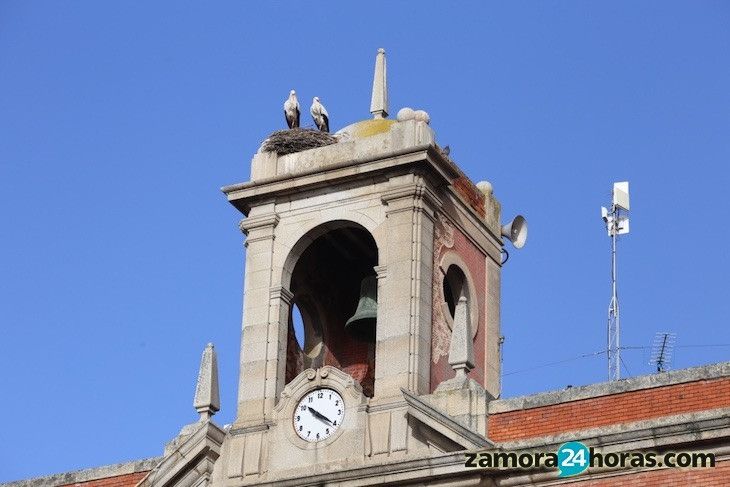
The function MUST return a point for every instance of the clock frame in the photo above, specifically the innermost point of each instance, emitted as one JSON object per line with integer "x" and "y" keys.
{"x": 310, "y": 381}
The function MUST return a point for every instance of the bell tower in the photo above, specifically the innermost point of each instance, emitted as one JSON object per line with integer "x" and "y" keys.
{"x": 392, "y": 257}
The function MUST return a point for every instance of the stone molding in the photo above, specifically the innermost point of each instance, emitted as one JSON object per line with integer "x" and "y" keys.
{"x": 418, "y": 196}
{"x": 450, "y": 465}
{"x": 253, "y": 223}
{"x": 443, "y": 423}
{"x": 282, "y": 293}
{"x": 192, "y": 459}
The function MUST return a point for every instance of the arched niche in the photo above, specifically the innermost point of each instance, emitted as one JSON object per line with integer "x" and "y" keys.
{"x": 457, "y": 281}
{"x": 324, "y": 271}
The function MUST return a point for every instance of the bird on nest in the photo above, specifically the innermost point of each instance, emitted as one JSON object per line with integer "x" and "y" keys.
{"x": 291, "y": 110}
{"x": 320, "y": 115}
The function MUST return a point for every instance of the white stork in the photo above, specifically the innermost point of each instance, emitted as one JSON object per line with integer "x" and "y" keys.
{"x": 320, "y": 115}
{"x": 291, "y": 110}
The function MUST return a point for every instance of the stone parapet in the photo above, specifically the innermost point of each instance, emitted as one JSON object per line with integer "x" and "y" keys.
{"x": 129, "y": 472}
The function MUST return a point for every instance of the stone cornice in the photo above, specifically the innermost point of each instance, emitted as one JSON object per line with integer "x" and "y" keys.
{"x": 246, "y": 195}
{"x": 451, "y": 464}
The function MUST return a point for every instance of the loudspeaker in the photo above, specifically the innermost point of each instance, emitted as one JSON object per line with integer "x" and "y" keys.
{"x": 516, "y": 231}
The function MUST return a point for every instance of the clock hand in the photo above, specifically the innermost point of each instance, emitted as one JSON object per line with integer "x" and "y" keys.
{"x": 319, "y": 415}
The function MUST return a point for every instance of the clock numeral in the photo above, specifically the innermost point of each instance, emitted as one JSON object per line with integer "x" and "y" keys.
{"x": 311, "y": 399}
{"x": 317, "y": 435}
{"x": 339, "y": 412}
{"x": 330, "y": 396}
{"x": 299, "y": 418}
{"x": 334, "y": 423}
{"x": 301, "y": 427}
{"x": 320, "y": 395}
{"x": 303, "y": 408}
{"x": 327, "y": 431}
{"x": 308, "y": 433}
{"x": 337, "y": 403}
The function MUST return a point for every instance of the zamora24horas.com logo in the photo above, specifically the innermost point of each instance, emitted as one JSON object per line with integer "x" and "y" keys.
{"x": 574, "y": 458}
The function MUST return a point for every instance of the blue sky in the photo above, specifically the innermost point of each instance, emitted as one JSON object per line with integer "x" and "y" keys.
{"x": 120, "y": 121}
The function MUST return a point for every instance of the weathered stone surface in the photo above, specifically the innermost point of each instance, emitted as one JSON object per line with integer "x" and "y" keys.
{"x": 461, "y": 351}
{"x": 379, "y": 100}
{"x": 207, "y": 399}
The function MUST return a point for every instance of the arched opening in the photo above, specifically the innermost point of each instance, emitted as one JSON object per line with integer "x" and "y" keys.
{"x": 325, "y": 282}
{"x": 297, "y": 325}
{"x": 454, "y": 287}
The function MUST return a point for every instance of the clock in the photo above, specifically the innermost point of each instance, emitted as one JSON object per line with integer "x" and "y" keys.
{"x": 318, "y": 414}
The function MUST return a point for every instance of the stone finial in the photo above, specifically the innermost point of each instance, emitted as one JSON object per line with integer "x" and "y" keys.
{"x": 485, "y": 187}
{"x": 207, "y": 401}
{"x": 461, "y": 350}
{"x": 379, "y": 101}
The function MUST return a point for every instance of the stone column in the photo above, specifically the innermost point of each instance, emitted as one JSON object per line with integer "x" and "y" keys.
{"x": 493, "y": 348}
{"x": 260, "y": 338}
{"x": 404, "y": 301}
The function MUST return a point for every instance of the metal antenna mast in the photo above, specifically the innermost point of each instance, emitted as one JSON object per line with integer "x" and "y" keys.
{"x": 616, "y": 224}
{"x": 661, "y": 351}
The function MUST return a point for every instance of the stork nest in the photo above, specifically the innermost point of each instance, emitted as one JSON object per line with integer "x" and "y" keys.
{"x": 296, "y": 140}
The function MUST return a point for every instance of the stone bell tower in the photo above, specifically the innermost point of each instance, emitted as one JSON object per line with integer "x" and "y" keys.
{"x": 377, "y": 202}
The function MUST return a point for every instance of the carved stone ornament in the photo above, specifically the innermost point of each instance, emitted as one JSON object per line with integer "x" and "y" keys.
{"x": 444, "y": 240}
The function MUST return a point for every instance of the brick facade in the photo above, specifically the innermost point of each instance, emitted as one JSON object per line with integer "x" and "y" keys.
{"x": 668, "y": 477}
{"x": 128, "y": 480}
{"x": 611, "y": 409}
{"x": 475, "y": 265}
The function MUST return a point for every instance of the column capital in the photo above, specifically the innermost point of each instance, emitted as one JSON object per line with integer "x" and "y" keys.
{"x": 253, "y": 223}
{"x": 280, "y": 292}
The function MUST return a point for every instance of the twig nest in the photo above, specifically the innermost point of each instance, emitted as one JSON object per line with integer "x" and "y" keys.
{"x": 296, "y": 140}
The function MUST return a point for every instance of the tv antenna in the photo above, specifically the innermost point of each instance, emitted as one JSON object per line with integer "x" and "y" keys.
{"x": 662, "y": 349}
{"x": 617, "y": 223}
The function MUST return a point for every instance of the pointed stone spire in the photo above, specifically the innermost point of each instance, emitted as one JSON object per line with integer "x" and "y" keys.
{"x": 207, "y": 401}
{"x": 461, "y": 350}
{"x": 379, "y": 101}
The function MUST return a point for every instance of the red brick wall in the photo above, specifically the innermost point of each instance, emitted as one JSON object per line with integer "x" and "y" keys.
{"x": 470, "y": 193}
{"x": 127, "y": 480}
{"x": 704, "y": 477}
{"x": 607, "y": 410}
{"x": 477, "y": 268}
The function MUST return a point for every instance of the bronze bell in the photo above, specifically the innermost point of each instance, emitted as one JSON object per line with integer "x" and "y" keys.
{"x": 361, "y": 325}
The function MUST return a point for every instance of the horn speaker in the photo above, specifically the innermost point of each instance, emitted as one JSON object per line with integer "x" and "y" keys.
{"x": 516, "y": 231}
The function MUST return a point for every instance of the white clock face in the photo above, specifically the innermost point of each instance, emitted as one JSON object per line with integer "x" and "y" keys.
{"x": 319, "y": 414}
